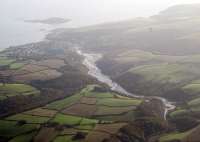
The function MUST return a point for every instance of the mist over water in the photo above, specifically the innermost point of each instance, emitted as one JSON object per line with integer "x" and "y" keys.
{"x": 132, "y": 63}
{"x": 13, "y": 31}
{"x": 17, "y": 32}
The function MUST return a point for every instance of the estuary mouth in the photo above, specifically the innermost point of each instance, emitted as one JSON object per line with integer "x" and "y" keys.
{"x": 90, "y": 60}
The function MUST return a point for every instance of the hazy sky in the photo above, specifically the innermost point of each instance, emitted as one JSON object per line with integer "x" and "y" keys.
{"x": 84, "y": 12}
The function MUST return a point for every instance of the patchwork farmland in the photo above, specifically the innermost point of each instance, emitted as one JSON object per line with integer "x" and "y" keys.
{"x": 83, "y": 116}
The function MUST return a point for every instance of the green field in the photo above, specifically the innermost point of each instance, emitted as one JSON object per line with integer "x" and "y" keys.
{"x": 159, "y": 79}
{"x": 17, "y": 88}
{"x": 28, "y": 118}
{"x": 11, "y": 128}
{"x": 173, "y": 136}
{"x": 192, "y": 89}
{"x": 104, "y": 110}
{"x": 166, "y": 73}
{"x": 67, "y": 119}
{"x": 129, "y": 116}
{"x": 108, "y": 103}
{"x": 87, "y": 124}
{"x": 99, "y": 95}
{"x": 5, "y": 61}
{"x": 194, "y": 102}
{"x": 64, "y": 103}
{"x": 15, "y": 66}
{"x": 178, "y": 112}
{"x": 192, "y": 107}
{"x": 11, "y": 90}
{"x": 24, "y": 138}
{"x": 115, "y": 102}
{"x": 86, "y": 121}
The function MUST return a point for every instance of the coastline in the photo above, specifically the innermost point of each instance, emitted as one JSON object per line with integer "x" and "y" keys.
{"x": 90, "y": 62}
{"x": 16, "y": 32}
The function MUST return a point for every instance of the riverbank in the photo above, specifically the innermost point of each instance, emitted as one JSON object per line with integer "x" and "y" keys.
{"x": 90, "y": 60}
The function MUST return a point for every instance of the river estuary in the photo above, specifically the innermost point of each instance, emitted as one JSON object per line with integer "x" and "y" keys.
{"x": 90, "y": 60}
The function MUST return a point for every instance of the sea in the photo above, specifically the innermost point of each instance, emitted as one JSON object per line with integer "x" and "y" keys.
{"x": 17, "y": 32}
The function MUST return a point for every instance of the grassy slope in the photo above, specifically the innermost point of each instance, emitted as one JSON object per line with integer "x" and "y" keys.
{"x": 174, "y": 136}
{"x": 54, "y": 117}
{"x": 24, "y": 138}
{"x": 192, "y": 88}
{"x": 5, "y": 61}
{"x": 15, "y": 66}
{"x": 19, "y": 88}
{"x": 118, "y": 102}
{"x": 11, "y": 90}
{"x": 168, "y": 74}
{"x": 67, "y": 119}
{"x": 28, "y": 118}
{"x": 10, "y": 128}
{"x": 64, "y": 103}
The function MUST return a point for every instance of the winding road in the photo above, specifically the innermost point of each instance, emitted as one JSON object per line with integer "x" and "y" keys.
{"x": 90, "y": 60}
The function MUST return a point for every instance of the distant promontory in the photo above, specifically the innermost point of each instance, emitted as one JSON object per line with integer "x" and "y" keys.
{"x": 49, "y": 21}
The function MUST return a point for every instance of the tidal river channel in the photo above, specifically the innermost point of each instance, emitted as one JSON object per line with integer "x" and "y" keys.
{"x": 90, "y": 60}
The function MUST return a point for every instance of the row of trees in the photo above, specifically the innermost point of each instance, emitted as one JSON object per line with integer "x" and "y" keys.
{"x": 5, "y": 79}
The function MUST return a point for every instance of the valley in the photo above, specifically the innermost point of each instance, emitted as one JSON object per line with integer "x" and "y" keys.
{"x": 59, "y": 105}
{"x": 129, "y": 81}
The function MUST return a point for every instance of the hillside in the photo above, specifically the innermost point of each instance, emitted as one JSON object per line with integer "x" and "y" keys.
{"x": 47, "y": 95}
{"x": 179, "y": 12}
{"x": 53, "y": 72}
{"x": 155, "y": 56}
